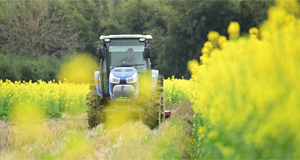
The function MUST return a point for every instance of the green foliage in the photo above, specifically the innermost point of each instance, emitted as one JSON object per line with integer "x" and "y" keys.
{"x": 197, "y": 140}
{"x": 211, "y": 148}
{"x": 27, "y": 67}
{"x": 188, "y": 23}
{"x": 169, "y": 145}
{"x": 179, "y": 28}
{"x": 87, "y": 16}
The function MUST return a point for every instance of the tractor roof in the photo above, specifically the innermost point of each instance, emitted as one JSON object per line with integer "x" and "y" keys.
{"x": 121, "y": 36}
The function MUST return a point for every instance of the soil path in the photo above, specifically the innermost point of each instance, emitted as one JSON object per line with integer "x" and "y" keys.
{"x": 69, "y": 138}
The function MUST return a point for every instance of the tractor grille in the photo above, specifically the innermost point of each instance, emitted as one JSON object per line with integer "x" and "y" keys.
{"x": 124, "y": 82}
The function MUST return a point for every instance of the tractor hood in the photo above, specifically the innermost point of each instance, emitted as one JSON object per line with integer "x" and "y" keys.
{"x": 123, "y": 82}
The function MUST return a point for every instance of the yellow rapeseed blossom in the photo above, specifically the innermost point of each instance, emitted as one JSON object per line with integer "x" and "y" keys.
{"x": 292, "y": 6}
{"x": 233, "y": 30}
{"x": 208, "y": 45}
{"x": 205, "y": 51}
{"x": 52, "y": 98}
{"x": 253, "y": 32}
{"x": 247, "y": 90}
{"x": 213, "y": 37}
{"x": 78, "y": 69}
{"x": 221, "y": 41}
{"x": 177, "y": 90}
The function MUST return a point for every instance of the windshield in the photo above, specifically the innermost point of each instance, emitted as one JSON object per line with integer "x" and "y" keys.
{"x": 126, "y": 53}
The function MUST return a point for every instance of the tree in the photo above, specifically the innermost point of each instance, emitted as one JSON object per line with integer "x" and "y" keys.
{"x": 179, "y": 28}
{"x": 89, "y": 16}
{"x": 189, "y": 22}
{"x": 37, "y": 27}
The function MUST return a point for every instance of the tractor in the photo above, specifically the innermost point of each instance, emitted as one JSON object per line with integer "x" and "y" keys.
{"x": 125, "y": 82}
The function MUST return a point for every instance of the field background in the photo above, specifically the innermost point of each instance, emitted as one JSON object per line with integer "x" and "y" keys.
{"x": 237, "y": 100}
{"x": 47, "y": 120}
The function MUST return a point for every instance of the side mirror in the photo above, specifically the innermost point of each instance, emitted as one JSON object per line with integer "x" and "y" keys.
{"x": 101, "y": 52}
{"x": 147, "y": 52}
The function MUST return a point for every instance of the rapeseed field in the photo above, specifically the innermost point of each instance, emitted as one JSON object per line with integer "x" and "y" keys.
{"x": 246, "y": 89}
{"x": 244, "y": 92}
{"x": 47, "y": 120}
{"x": 53, "y": 98}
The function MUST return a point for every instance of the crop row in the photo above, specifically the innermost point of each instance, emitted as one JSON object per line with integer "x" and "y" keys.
{"x": 56, "y": 98}
{"x": 247, "y": 89}
{"x": 53, "y": 98}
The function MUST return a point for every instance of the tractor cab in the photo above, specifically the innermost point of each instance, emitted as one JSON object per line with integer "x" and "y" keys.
{"x": 123, "y": 58}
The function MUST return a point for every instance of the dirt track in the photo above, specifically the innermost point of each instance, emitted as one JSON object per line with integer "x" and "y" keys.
{"x": 69, "y": 138}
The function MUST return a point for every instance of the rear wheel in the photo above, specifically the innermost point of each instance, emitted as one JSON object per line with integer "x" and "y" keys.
{"x": 160, "y": 90}
{"x": 156, "y": 108}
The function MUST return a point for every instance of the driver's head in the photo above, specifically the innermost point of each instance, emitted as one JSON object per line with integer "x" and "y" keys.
{"x": 130, "y": 53}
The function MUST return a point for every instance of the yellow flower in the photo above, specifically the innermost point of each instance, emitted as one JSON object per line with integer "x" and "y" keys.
{"x": 233, "y": 30}
{"x": 253, "y": 32}
{"x": 213, "y": 37}
{"x": 205, "y": 51}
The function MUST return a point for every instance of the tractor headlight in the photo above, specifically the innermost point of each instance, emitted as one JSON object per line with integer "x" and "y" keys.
{"x": 113, "y": 79}
{"x": 132, "y": 79}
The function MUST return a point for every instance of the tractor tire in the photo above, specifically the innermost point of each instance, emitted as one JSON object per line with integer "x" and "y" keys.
{"x": 156, "y": 108}
{"x": 153, "y": 111}
{"x": 93, "y": 109}
{"x": 160, "y": 89}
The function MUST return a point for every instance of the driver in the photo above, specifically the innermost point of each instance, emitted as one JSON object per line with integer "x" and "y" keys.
{"x": 130, "y": 57}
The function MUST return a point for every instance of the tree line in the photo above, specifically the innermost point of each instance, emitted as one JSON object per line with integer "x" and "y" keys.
{"x": 58, "y": 28}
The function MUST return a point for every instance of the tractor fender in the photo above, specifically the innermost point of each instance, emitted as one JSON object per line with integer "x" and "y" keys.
{"x": 154, "y": 75}
{"x": 97, "y": 78}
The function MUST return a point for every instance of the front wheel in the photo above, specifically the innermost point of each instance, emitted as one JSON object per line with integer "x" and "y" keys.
{"x": 93, "y": 109}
